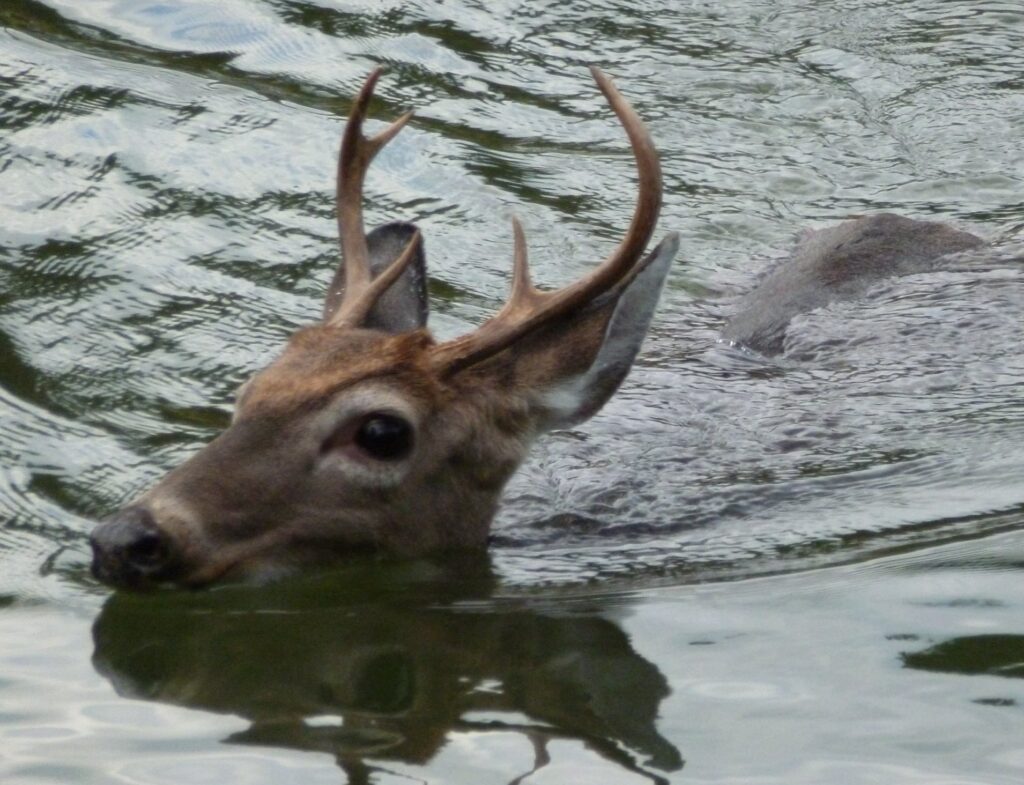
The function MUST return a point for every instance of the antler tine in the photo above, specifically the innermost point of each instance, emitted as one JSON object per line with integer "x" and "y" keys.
{"x": 648, "y": 205}
{"x": 528, "y": 308}
{"x": 523, "y": 295}
{"x": 357, "y": 152}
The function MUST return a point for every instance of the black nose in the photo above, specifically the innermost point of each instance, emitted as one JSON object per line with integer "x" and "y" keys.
{"x": 129, "y": 549}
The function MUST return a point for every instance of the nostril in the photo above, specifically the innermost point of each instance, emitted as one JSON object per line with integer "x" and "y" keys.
{"x": 130, "y": 547}
{"x": 148, "y": 550}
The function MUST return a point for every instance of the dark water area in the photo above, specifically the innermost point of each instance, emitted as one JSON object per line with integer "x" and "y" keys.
{"x": 797, "y": 569}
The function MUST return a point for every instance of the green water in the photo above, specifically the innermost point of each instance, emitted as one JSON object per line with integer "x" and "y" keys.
{"x": 798, "y": 570}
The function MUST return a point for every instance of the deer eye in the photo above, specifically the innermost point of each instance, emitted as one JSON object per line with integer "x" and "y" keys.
{"x": 384, "y": 437}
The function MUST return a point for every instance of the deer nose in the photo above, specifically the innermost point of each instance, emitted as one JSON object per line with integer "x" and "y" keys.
{"x": 129, "y": 549}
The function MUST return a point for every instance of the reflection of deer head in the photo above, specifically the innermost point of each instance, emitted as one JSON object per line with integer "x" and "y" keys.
{"x": 402, "y": 677}
{"x": 367, "y": 434}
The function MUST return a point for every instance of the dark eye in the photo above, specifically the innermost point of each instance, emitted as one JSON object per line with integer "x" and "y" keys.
{"x": 385, "y": 437}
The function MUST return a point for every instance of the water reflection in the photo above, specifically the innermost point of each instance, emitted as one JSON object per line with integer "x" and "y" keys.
{"x": 972, "y": 655}
{"x": 370, "y": 673}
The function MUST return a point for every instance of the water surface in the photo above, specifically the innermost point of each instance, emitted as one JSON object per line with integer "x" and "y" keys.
{"x": 799, "y": 569}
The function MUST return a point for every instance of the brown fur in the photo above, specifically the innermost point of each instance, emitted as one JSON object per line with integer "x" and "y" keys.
{"x": 252, "y": 499}
{"x": 321, "y": 360}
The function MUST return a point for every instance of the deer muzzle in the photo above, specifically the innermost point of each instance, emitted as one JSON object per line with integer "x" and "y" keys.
{"x": 130, "y": 551}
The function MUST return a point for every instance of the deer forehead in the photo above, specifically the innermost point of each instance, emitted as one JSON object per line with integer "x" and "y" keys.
{"x": 320, "y": 361}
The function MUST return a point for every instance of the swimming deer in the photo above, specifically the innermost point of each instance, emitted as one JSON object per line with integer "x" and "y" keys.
{"x": 368, "y": 434}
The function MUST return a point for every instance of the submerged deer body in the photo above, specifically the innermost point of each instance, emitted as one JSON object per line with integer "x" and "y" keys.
{"x": 838, "y": 263}
{"x": 365, "y": 433}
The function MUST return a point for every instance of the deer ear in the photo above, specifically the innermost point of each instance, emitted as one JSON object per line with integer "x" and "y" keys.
{"x": 570, "y": 369}
{"x": 404, "y": 306}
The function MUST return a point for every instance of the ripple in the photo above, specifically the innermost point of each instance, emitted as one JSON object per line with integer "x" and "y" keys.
{"x": 167, "y": 220}
{"x": 170, "y": 221}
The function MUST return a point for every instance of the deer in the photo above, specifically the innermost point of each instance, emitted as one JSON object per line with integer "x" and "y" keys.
{"x": 368, "y": 435}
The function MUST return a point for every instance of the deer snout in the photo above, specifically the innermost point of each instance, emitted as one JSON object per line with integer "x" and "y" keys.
{"x": 130, "y": 550}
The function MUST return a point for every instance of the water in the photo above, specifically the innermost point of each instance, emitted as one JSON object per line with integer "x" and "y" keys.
{"x": 797, "y": 570}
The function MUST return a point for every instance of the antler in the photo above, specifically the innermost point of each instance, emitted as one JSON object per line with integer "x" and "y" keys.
{"x": 529, "y": 308}
{"x": 362, "y": 290}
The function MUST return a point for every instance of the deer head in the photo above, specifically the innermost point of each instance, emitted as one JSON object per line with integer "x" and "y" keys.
{"x": 366, "y": 433}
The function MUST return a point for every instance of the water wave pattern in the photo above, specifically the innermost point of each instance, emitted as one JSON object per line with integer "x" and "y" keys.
{"x": 167, "y": 172}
